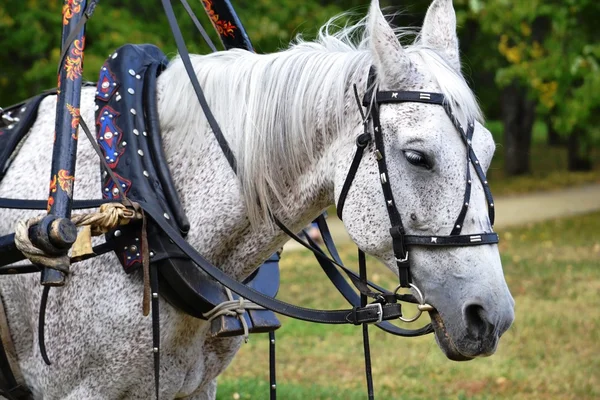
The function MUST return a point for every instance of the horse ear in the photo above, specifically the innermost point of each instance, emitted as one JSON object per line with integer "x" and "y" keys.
{"x": 390, "y": 59}
{"x": 439, "y": 31}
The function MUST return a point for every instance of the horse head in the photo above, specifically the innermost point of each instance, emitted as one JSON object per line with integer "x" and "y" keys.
{"x": 428, "y": 170}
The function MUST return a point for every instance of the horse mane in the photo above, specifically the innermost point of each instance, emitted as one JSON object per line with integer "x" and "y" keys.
{"x": 276, "y": 110}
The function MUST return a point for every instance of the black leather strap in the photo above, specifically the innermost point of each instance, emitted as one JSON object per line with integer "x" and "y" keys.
{"x": 361, "y": 143}
{"x": 350, "y": 295}
{"x": 406, "y": 96}
{"x": 354, "y": 316}
{"x": 458, "y": 240}
{"x": 185, "y": 58}
{"x": 272, "y": 369}
{"x": 199, "y": 26}
{"x": 20, "y": 204}
{"x": 362, "y": 265}
{"x": 155, "y": 142}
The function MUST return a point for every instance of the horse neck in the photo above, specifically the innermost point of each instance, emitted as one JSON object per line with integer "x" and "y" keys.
{"x": 213, "y": 201}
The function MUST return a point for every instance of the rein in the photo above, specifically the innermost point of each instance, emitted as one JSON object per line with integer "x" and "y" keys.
{"x": 384, "y": 306}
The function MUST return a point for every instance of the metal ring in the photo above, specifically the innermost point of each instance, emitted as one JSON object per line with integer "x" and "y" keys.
{"x": 420, "y": 307}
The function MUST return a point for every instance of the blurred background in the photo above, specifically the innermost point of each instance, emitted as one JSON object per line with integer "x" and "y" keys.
{"x": 534, "y": 66}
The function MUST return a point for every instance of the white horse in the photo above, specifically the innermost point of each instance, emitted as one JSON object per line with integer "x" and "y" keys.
{"x": 291, "y": 120}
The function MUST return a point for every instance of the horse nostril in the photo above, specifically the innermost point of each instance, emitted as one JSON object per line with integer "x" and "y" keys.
{"x": 477, "y": 321}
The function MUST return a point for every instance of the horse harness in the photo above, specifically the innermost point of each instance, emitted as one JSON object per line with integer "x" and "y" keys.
{"x": 401, "y": 240}
{"x": 134, "y": 148}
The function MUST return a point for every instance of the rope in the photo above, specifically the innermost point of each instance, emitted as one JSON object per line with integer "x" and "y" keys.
{"x": 233, "y": 308}
{"x": 110, "y": 216}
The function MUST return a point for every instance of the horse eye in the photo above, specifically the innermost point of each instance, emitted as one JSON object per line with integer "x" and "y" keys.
{"x": 417, "y": 159}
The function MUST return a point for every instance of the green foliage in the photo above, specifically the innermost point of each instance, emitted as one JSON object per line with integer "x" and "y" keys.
{"x": 551, "y": 48}
{"x": 30, "y": 34}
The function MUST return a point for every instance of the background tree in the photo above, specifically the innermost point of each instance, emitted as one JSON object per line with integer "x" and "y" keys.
{"x": 551, "y": 55}
{"x": 541, "y": 56}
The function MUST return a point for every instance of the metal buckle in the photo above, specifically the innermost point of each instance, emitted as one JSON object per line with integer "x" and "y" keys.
{"x": 379, "y": 312}
{"x": 402, "y": 259}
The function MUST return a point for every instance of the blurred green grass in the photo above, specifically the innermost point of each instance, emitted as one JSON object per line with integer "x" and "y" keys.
{"x": 551, "y": 351}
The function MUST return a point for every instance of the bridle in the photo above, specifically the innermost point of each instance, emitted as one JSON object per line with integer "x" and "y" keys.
{"x": 401, "y": 241}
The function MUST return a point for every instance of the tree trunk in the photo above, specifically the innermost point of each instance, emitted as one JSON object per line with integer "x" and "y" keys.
{"x": 579, "y": 156}
{"x": 518, "y": 115}
{"x": 554, "y": 138}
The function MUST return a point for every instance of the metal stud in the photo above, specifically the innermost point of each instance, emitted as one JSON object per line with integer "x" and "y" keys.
{"x": 141, "y": 153}
{"x": 136, "y": 132}
{"x": 123, "y": 185}
{"x": 146, "y": 174}
{"x": 23, "y": 109}
{"x": 469, "y": 181}
{"x": 485, "y": 182}
{"x": 103, "y": 68}
{"x": 155, "y": 295}
{"x": 133, "y": 111}
{"x": 130, "y": 91}
{"x": 115, "y": 191}
{"x": 458, "y": 226}
{"x": 124, "y": 143}
{"x": 138, "y": 77}
{"x": 166, "y": 216}
{"x": 433, "y": 240}
{"x": 129, "y": 257}
{"x": 155, "y": 349}
{"x": 152, "y": 254}
{"x": 378, "y": 155}
{"x": 131, "y": 72}
{"x": 383, "y": 178}
{"x": 106, "y": 189}
{"x": 115, "y": 54}
{"x": 390, "y": 203}
{"x": 273, "y": 386}
{"x": 492, "y": 205}
{"x": 144, "y": 133}
{"x": 118, "y": 97}
{"x": 117, "y": 233}
{"x": 96, "y": 107}
{"x": 477, "y": 162}
{"x": 133, "y": 248}
{"x": 105, "y": 94}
